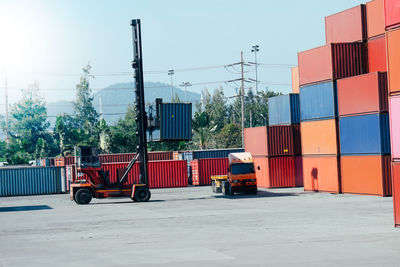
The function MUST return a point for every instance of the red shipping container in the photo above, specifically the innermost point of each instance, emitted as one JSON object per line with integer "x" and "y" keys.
{"x": 366, "y": 175}
{"x": 363, "y": 94}
{"x": 375, "y": 18}
{"x": 321, "y": 173}
{"x": 284, "y": 140}
{"x": 377, "y": 54}
{"x": 392, "y": 13}
{"x": 347, "y": 26}
{"x": 256, "y": 141}
{"x": 396, "y": 192}
{"x": 331, "y": 62}
{"x": 203, "y": 169}
{"x": 60, "y": 161}
{"x": 162, "y": 174}
{"x": 278, "y": 172}
{"x": 394, "y": 117}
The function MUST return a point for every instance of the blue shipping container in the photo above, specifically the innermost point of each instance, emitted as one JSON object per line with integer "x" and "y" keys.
{"x": 366, "y": 134}
{"x": 20, "y": 181}
{"x": 175, "y": 121}
{"x": 215, "y": 153}
{"x": 284, "y": 110}
{"x": 318, "y": 101}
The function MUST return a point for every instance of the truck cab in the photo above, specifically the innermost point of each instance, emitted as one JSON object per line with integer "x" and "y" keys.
{"x": 241, "y": 176}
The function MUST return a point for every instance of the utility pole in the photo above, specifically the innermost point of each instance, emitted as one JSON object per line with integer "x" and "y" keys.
{"x": 7, "y": 123}
{"x": 170, "y": 73}
{"x": 242, "y": 94}
{"x": 101, "y": 108}
{"x": 251, "y": 119}
{"x": 185, "y": 84}
{"x": 255, "y": 49}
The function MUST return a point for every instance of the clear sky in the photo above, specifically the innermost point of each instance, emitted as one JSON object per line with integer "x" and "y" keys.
{"x": 49, "y": 41}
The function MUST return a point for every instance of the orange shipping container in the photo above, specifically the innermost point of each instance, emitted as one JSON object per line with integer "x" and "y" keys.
{"x": 393, "y": 58}
{"x": 396, "y": 192}
{"x": 321, "y": 173}
{"x": 375, "y": 18}
{"x": 377, "y": 54}
{"x": 256, "y": 141}
{"x": 367, "y": 175}
{"x": 295, "y": 80}
{"x": 261, "y": 165}
{"x": 319, "y": 137}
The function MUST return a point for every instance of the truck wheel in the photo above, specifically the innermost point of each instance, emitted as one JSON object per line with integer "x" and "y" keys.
{"x": 142, "y": 194}
{"x": 253, "y": 192}
{"x": 231, "y": 190}
{"x": 83, "y": 196}
{"x": 214, "y": 187}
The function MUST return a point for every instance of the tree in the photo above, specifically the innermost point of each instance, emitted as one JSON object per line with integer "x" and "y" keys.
{"x": 217, "y": 109}
{"x": 28, "y": 121}
{"x": 229, "y": 137}
{"x": 87, "y": 118}
{"x": 123, "y": 135}
{"x": 66, "y": 130}
{"x": 203, "y": 129}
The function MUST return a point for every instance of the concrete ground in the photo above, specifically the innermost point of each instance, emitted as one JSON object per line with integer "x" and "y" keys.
{"x": 194, "y": 227}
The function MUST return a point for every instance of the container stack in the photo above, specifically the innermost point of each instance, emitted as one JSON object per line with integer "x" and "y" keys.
{"x": 392, "y": 24}
{"x": 276, "y": 149}
{"x": 344, "y": 55}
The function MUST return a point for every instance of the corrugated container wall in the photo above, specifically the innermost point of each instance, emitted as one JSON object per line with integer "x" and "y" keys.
{"x": 366, "y": 134}
{"x": 347, "y": 26}
{"x": 369, "y": 175}
{"x": 261, "y": 164}
{"x": 21, "y": 181}
{"x": 256, "y": 141}
{"x": 321, "y": 174}
{"x": 395, "y": 126}
{"x": 319, "y": 137}
{"x": 295, "y": 80}
{"x": 203, "y": 169}
{"x": 377, "y": 54}
{"x": 215, "y": 153}
{"x": 375, "y": 18}
{"x": 396, "y": 192}
{"x": 362, "y": 94}
{"x": 318, "y": 101}
{"x": 176, "y": 121}
{"x": 392, "y": 13}
{"x": 284, "y": 110}
{"x": 393, "y": 60}
{"x": 331, "y": 62}
{"x": 284, "y": 140}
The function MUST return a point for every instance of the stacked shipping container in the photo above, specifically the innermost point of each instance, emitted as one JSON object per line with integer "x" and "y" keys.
{"x": 392, "y": 24}
{"x": 276, "y": 149}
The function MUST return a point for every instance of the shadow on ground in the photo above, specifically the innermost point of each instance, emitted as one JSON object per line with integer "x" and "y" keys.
{"x": 25, "y": 208}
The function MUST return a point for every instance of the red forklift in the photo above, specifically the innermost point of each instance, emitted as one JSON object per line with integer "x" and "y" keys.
{"x": 98, "y": 183}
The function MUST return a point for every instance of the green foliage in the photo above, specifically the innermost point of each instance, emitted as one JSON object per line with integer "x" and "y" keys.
{"x": 229, "y": 137}
{"x": 123, "y": 135}
{"x": 67, "y": 133}
{"x": 203, "y": 128}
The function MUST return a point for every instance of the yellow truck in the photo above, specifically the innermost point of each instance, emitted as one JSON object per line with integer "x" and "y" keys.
{"x": 241, "y": 176}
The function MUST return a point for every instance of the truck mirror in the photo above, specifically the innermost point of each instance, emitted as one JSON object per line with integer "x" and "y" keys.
{"x": 228, "y": 170}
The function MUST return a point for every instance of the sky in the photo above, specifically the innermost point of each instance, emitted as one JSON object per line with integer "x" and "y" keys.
{"x": 48, "y": 42}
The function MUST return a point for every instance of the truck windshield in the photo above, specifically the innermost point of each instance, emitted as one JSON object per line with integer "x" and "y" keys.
{"x": 242, "y": 168}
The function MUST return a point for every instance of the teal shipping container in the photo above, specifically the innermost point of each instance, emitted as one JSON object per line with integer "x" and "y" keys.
{"x": 175, "y": 121}
{"x": 23, "y": 181}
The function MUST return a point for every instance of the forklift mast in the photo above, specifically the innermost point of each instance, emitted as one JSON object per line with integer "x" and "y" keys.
{"x": 141, "y": 118}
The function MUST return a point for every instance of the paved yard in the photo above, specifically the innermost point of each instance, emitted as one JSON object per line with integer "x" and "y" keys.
{"x": 194, "y": 227}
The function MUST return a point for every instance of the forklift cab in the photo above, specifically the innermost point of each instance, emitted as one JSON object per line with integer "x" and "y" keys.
{"x": 88, "y": 157}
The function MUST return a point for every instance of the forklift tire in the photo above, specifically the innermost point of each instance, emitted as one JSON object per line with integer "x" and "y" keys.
{"x": 83, "y": 196}
{"x": 142, "y": 194}
{"x": 214, "y": 187}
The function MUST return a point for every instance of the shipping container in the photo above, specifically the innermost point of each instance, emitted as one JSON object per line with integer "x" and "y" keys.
{"x": 347, "y": 26}
{"x": 256, "y": 141}
{"x": 363, "y": 94}
{"x": 375, "y": 18}
{"x": 22, "y": 181}
{"x": 395, "y": 126}
{"x": 203, "y": 169}
{"x": 367, "y": 175}
{"x": 278, "y": 172}
{"x": 120, "y": 157}
{"x": 162, "y": 174}
{"x": 396, "y": 192}
{"x": 215, "y": 153}
{"x": 365, "y": 134}
{"x": 295, "y": 80}
{"x": 321, "y": 173}
{"x": 392, "y": 13}
{"x": 377, "y": 54}
{"x": 319, "y": 137}
{"x": 318, "y": 101}
{"x": 393, "y": 60}
{"x": 176, "y": 121}
{"x": 59, "y": 161}
{"x": 331, "y": 62}
{"x": 283, "y": 110}
{"x": 284, "y": 140}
